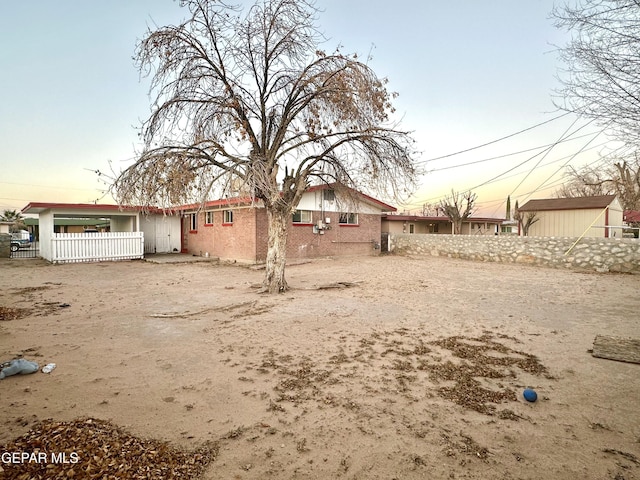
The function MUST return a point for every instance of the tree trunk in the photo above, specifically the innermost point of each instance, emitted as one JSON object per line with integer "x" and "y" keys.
{"x": 274, "y": 281}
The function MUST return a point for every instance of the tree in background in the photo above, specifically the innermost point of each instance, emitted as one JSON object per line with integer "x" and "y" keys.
{"x": 249, "y": 100}
{"x": 601, "y": 79}
{"x": 508, "y": 208}
{"x": 15, "y": 218}
{"x": 524, "y": 219}
{"x": 458, "y": 207}
{"x": 431, "y": 210}
{"x": 622, "y": 178}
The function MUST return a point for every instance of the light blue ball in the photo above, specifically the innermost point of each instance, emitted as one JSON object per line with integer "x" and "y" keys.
{"x": 530, "y": 395}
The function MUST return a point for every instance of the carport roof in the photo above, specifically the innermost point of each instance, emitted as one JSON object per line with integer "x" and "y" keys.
{"x": 89, "y": 208}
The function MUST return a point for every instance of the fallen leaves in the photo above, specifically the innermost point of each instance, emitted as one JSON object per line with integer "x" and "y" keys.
{"x": 95, "y": 449}
{"x": 13, "y": 313}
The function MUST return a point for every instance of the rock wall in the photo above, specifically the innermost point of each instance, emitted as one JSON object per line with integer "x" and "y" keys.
{"x": 597, "y": 254}
{"x": 5, "y": 244}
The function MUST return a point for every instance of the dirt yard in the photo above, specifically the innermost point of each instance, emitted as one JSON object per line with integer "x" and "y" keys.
{"x": 414, "y": 369}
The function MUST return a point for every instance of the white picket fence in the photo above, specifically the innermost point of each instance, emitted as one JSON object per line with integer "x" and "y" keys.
{"x": 96, "y": 247}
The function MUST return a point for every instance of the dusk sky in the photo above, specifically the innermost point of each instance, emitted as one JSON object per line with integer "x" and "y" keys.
{"x": 467, "y": 72}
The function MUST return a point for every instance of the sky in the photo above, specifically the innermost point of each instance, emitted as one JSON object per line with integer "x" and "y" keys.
{"x": 467, "y": 73}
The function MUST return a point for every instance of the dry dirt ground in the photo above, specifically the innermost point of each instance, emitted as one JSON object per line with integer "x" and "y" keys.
{"x": 415, "y": 369}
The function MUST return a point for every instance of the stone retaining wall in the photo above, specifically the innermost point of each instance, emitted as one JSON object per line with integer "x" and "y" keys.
{"x": 5, "y": 244}
{"x": 598, "y": 254}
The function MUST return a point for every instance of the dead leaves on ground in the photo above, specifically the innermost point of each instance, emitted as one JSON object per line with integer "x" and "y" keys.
{"x": 479, "y": 375}
{"x": 13, "y": 313}
{"x": 96, "y": 449}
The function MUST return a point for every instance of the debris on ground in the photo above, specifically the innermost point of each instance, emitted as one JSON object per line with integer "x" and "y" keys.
{"x": 18, "y": 366}
{"x": 90, "y": 448}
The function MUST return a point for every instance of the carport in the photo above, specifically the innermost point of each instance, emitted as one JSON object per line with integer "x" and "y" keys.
{"x": 131, "y": 232}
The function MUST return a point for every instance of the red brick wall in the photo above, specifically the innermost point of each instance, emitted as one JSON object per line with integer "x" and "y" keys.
{"x": 262, "y": 234}
{"x": 235, "y": 241}
{"x": 246, "y": 239}
{"x": 338, "y": 240}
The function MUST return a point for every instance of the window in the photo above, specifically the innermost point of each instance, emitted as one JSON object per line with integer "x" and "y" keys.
{"x": 328, "y": 195}
{"x": 193, "y": 222}
{"x": 412, "y": 228}
{"x": 302, "y": 216}
{"x": 208, "y": 218}
{"x": 348, "y": 219}
{"x": 227, "y": 217}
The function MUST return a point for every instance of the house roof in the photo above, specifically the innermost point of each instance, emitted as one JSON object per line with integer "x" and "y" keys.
{"x": 575, "y": 203}
{"x": 101, "y": 209}
{"x": 631, "y": 216}
{"x": 89, "y": 208}
{"x": 441, "y": 218}
{"x": 224, "y": 202}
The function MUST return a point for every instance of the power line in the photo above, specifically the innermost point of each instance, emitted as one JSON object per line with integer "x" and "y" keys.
{"x": 503, "y": 175}
{"x": 495, "y": 141}
{"x": 543, "y": 152}
{"x": 568, "y": 161}
{"x": 45, "y": 186}
{"x": 450, "y": 167}
{"x": 546, "y": 153}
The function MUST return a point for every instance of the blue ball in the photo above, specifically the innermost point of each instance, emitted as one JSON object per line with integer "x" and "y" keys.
{"x": 530, "y": 395}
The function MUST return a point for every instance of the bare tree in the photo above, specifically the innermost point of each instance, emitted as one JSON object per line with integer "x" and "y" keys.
{"x": 601, "y": 79}
{"x": 524, "y": 219}
{"x": 431, "y": 210}
{"x": 458, "y": 207}
{"x": 585, "y": 182}
{"x": 621, "y": 178}
{"x": 626, "y": 183}
{"x": 249, "y": 100}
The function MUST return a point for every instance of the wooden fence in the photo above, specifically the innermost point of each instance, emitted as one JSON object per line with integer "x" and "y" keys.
{"x": 96, "y": 247}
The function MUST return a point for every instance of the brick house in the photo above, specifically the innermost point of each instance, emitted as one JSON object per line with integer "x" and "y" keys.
{"x": 324, "y": 225}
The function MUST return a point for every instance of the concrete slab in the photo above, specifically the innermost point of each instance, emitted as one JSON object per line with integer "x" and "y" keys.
{"x": 177, "y": 258}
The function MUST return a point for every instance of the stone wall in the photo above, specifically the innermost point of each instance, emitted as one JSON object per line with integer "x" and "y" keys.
{"x": 597, "y": 254}
{"x": 5, "y": 244}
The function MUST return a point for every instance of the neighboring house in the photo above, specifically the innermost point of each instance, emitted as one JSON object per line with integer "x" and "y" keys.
{"x": 326, "y": 223}
{"x": 631, "y": 219}
{"x": 509, "y": 227}
{"x": 439, "y": 225}
{"x": 599, "y": 216}
{"x": 69, "y": 225}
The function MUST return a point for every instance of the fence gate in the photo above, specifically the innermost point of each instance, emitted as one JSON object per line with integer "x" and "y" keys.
{"x": 24, "y": 249}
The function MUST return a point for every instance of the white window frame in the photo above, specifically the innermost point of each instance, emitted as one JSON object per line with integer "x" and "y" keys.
{"x": 305, "y": 217}
{"x": 227, "y": 217}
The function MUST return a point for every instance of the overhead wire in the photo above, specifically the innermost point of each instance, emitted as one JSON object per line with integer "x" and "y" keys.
{"x": 504, "y": 176}
{"x": 496, "y": 140}
{"x": 546, "y": 153}
{"x": 450, "y": 167}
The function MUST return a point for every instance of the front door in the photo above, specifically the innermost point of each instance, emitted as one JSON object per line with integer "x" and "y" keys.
{"x": 163, "y": 235}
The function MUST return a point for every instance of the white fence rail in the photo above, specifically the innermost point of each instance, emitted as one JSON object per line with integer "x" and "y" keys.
{"x": 96, "y": 247}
